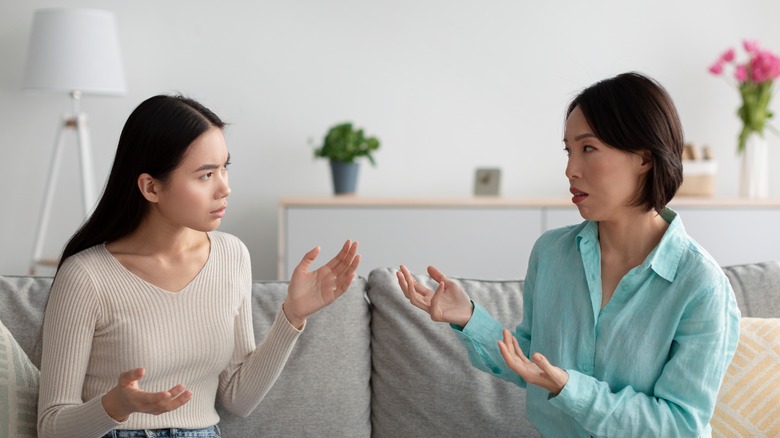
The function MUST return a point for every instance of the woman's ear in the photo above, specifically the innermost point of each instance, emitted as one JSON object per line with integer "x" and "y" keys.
{"x": 647, "y": 160}
{"x": 149, "y": 187}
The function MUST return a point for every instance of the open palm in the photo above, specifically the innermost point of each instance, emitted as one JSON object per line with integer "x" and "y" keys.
{"x": 448, "y": 303}
{"x": 310, "y": 291}
{"x": 538, "y": 372}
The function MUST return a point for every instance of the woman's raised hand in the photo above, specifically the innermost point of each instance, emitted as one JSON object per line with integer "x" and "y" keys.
{"x": 539, "y": 372}
{"x": 309, "y": 292}
{"x": 448, "y": 303}
{"x": 127, "y": 397}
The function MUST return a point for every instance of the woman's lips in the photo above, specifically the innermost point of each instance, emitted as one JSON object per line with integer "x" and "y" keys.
{"x": 578, "y": 198}
{"x": 579, "y": 195}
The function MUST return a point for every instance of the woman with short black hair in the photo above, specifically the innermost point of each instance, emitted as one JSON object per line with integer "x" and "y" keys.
{"x": 628, "y": 324}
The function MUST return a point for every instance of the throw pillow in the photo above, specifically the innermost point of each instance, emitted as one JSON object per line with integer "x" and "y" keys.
{"x": 749, "y": 399}
{"x": 18, "y": 389}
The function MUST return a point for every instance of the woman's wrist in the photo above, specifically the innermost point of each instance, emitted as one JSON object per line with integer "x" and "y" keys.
{"x": 112, "y": 407}
{"x": 294, "y": 320}
{"x": 465, "y": 315}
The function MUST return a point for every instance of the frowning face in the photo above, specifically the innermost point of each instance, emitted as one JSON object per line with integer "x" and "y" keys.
{"x": 195, "y": 194}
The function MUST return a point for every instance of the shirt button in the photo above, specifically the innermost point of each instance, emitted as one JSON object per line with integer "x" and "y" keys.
{"x": 587, "y": 369}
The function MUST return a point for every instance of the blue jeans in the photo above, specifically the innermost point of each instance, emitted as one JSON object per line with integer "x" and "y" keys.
{"x": 209, "y": 432}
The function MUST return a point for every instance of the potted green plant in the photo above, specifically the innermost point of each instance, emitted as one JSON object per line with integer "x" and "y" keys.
{"x": 342, "y": 145}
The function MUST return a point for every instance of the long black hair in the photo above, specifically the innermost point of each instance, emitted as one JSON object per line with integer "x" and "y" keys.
{"x": 154, "y": 140}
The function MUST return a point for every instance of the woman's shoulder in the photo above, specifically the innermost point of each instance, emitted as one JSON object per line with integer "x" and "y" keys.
{"x": 697, "y": 263}
{"x": 84, "y": 271}
{"x": 92, "y": 258}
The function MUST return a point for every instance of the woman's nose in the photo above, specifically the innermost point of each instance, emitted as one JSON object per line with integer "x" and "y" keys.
{"x": 224, "y": 190}
{"x": 572, "y": 170}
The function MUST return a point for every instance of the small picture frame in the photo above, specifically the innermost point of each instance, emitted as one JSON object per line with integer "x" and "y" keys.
{"x": 487, "y": 181}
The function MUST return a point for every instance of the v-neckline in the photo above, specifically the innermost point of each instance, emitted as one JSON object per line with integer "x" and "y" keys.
{"x": 156, "y": 287}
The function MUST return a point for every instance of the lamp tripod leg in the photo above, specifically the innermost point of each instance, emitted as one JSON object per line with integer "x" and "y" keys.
{"x": 88, "y": 195}
{"x": 51, "y": 182}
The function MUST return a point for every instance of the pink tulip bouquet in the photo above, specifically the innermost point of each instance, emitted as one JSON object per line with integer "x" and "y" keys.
{"x": 755, "y": 78}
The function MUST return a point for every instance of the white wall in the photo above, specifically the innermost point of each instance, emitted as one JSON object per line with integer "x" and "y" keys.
{"x": 447, "y": 86}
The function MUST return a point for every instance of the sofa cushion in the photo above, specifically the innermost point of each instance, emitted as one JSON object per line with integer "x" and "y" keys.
{"x": 18, "y": 389}
{"x": 749, "y": 399}
{"x": 22, "y": 301}
{"x": 324, "y": 390}
{"x": 422, "y": 381}
{"x": 757, "y": 288}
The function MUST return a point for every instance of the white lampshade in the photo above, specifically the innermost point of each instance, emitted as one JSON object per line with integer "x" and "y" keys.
{"x": 74, "y": 50}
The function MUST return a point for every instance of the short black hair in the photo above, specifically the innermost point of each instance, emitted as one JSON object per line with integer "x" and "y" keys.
{"x": 634, "y": 113}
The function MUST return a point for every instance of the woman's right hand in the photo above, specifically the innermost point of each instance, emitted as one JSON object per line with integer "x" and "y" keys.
{"x": 448, "y": 303}
{"x": 127, "y": 397}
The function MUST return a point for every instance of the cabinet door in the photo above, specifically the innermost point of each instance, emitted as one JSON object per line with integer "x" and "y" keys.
{"x": 735, "y": 236}
{"x": 490, "y": 243}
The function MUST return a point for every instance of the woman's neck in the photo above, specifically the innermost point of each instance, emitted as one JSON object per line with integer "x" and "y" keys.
{"x": 153, "y": 238}
{"x": 632, "y": 237}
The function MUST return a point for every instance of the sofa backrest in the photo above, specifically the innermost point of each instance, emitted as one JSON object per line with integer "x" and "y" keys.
{"x": 757, "y": 288}
{"x": 422, "y": 382}
{"x": 324, "y": 390}
{"x": 384, "y": 366}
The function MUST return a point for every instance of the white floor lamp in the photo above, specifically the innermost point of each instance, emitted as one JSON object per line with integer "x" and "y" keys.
{"x": 72, "y": 51}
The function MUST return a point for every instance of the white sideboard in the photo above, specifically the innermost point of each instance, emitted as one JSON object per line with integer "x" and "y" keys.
{"x": 492, "y": 237}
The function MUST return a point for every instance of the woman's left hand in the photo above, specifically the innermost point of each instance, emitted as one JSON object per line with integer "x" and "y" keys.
{"x": 309, "y": 292}
{"x": 539, "y": 372}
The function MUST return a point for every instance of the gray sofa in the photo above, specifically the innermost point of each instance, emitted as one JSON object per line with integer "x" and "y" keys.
{"x": 373, "y": 365}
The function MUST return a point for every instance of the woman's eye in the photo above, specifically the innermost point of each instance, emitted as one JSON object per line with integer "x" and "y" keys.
{"x": 567, "y": 151}
{"x": 206, "y": 176}
{"x": 587, "y": 148}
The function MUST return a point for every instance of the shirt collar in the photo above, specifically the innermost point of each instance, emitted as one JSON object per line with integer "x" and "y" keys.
{"x": 664, "y": 258}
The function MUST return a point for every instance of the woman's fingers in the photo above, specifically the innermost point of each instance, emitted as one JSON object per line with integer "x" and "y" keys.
{"x": 511, "y": 351}
{"x": 346, "y": 278}
{"x": 403, "y": 284}
{"x": 160, "y": 402}
{"x": 507, "y": 348}
{"x": 518, "y": 350}
{"x": 410, "y": 282}
{"x": 127, "y": 378}
{"x": 415, "y": 292}
{"x": 308, "y": 259}
{"x": 343, "y": 260}
{"x": 436, "y": 274}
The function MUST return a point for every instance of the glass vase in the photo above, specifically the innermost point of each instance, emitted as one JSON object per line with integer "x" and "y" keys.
{"x": 754, "y": 170}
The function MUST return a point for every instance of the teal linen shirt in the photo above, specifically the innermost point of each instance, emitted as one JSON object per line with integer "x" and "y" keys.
{"x": 649, "y": 363}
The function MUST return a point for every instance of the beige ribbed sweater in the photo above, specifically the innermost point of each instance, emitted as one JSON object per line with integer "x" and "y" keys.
{"x": 102, "y": 319}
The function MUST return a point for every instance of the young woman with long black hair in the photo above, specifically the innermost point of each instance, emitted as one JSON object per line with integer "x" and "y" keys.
{"x": 149, "y": 318}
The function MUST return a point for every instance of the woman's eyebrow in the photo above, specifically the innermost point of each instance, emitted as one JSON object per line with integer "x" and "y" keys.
{"x": 209, "y": 166}
{"x": 581, "y": 136}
